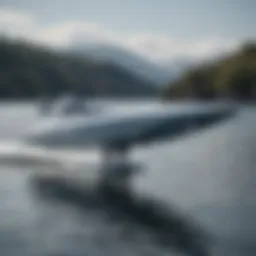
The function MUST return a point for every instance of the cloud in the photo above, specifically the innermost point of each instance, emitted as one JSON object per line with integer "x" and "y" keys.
{"x": 75, "y": 33}
{"x": 162, "y": 48}
{"x": 16, "y": 24}
{"x": 158, "y": 48}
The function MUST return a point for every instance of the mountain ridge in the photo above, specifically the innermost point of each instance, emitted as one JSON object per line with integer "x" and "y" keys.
{"x": 124, "y": 58}
{"x": 28, "y": 71}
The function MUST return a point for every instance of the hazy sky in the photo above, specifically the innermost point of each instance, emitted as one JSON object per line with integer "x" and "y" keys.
{"x": 153, "y": 28}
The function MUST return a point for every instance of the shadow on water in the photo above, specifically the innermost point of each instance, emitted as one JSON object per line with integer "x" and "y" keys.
{"x": 167, "y": 227}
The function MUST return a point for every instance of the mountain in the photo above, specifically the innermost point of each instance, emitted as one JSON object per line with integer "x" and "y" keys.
{"x": 179, "y": 65}
{"x": 28, "y": 71}
{"x": 233, "y": 76}
{"x": 127, "y": 60}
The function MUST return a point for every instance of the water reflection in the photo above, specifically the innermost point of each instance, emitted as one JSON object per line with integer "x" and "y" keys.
{"x": 163, "y": 225}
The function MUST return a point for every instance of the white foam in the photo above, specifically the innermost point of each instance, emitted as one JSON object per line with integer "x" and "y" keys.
{"x": 15, "y": 153}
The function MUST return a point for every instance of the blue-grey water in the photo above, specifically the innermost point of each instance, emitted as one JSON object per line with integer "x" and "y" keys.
{"x": 208, "y": 179}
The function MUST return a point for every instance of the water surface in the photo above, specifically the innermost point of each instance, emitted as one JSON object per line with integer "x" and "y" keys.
{"x": 207, "y": 179}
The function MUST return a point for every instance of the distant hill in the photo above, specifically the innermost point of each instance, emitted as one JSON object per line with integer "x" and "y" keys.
{"x": 121, "y": 57}
{"x": 28, "y": 71}
{"x": 233, "y": 77}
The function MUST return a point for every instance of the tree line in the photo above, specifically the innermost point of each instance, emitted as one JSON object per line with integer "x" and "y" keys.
{"x": 233, "y": 77}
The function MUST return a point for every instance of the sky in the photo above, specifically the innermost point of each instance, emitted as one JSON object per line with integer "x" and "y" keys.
{"x": 155, "y": 29}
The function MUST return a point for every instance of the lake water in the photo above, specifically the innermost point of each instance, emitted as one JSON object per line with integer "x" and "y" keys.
{"x": 205, "y": 183}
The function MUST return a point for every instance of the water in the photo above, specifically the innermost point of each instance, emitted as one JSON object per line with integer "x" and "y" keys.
{"x": 205, "y": 183}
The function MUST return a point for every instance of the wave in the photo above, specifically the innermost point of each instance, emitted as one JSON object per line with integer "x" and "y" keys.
{"x": 16, "y": 153}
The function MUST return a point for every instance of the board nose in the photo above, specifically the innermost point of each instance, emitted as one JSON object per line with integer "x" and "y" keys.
{"x": 219, "y": 115}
